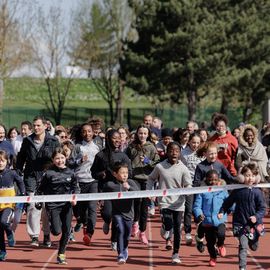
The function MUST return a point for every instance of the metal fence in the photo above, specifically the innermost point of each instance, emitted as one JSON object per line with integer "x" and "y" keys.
{"x": 132, "y": 117}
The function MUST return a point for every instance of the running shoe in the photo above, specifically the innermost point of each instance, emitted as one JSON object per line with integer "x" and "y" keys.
{"x": 188, "y": 237}
{"x": 135, "y": 229}
{"x": 106, "y": 228}
{"x": 61, "y": 259}
{"x": 212, "y": 262}
{"x": 34, "y": 242}
{"x": 11, "y": 239}
{"x": 176, "y": 259}
{"x": 143, "y": 238}
{"x": 3, "y": 255}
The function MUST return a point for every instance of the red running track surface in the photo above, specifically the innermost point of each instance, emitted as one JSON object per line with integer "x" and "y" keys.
{"x": 100, "y": 256}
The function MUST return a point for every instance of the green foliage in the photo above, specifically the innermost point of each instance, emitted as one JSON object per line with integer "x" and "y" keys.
{"x": 186, "y": 48}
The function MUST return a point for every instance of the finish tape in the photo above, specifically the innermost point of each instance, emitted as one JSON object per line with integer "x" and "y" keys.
{"x": 123, "y": 195}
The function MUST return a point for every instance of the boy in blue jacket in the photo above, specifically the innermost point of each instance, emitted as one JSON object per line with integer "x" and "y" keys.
{"x": 206, "y": 208}
{"x": 249, "y": 211}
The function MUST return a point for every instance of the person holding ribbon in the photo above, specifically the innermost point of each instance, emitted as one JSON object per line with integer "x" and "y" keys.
{"x": 171, "y": 173}
{"x": 59, "y": 179}
{"x": 122, "y": 210}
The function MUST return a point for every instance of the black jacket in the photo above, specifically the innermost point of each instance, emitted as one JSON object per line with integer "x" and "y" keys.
{"x": 104, "y": 161}
{"x": 123, "y": 207}
{"x": 249, "y": 202}
{"x": 58, "y": 181}
{"x": 32, "y": 162}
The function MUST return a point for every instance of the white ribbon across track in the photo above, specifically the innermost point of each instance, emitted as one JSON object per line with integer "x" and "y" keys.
{"x": 122, "y": 195}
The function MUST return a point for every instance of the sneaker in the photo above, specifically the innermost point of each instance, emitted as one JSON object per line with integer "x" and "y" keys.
{"x": 135, "y": 229}
{"x": 169, "y": 245}
{"x": 222, "y": 251}
{"x": 151, "y": 211}
{"x": 125, "y": 253}
{"x": 47, "y": 241}
{"x": 253, "y": 245}
{"x": 199, "y": 244}
{"x": 3, "y": 255}
{"x": 114, "y": 246}
{"x": 212, "y": 262}
{"x": 11, "y": 239}
{"x": 175, "y": 258}
{"x": 78, "y": 227}
{"x": 106, "y": 228}
{"x": 188, "y": 239}
{"x": 165, "y": 234}
{"x": 61, "y": 259}
{"x": 72, "y": 236}
{"x": 87, "y": 239}
{"x": 121, "y": 261}
{"x": 34, "y": 242}
{"x": 143, "y": 238}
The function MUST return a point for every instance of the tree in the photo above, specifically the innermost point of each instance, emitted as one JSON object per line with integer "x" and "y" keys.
{"x": 244, "y": 66}
{"x": 186, "y": 48}
{"x": 98, "y": 48}
{"x": 16, "y": 19}
{"x": 173, "y": 56}
{"x": 50, "y": 47}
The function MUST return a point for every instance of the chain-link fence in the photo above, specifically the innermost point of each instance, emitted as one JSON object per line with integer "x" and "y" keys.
{"x": 132, "y": 117}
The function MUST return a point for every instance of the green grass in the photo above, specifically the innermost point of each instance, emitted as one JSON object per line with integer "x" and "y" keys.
{"x": 22, "y": 101}
{"x": 24, "y": 92}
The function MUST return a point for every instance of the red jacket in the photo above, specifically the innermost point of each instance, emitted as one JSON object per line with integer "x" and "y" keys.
{"x": 227, "y": 148}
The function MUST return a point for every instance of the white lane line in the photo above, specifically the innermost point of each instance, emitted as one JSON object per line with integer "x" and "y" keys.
{"x": 255, "y": 261}
{"x": 150, "y": 252}
{"x": 49, "y": 260}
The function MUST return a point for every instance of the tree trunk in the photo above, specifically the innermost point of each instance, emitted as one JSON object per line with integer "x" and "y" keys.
{"x": 119, "y": 113}
{"x": 224, "y": 104}
{"x": 192, "y": 103}
{"x": 248, "y": 110}
{"x": 112, "y": 120}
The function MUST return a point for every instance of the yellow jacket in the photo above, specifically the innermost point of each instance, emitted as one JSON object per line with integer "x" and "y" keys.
{"x": 7, "y": 192}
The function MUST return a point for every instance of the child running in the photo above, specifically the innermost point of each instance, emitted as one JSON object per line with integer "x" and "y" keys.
{"x": 249, "y": 212}
{"x": 8, "y": 178}
{"x": 59, "y": 180}
{"x": 171, "y": 173}
{"x": 191, "y": 159}
{"x": 122, "y": 210}
{"x": 206, "y": 207}
{"x": 210, "y": 163}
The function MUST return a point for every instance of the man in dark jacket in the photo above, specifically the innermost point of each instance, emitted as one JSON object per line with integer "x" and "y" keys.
{"x": 33, "y": 159}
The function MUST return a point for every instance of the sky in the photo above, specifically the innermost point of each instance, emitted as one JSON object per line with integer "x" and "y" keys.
{"x": 67, "y": 6}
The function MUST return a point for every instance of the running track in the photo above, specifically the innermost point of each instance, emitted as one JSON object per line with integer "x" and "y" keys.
{"x": 100, "y": 256}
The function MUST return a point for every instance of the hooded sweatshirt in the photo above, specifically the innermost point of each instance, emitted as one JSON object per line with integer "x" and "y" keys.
{"x": 227, "y": 148}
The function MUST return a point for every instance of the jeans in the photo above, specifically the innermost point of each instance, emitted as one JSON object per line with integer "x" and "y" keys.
{"x": 123, "y": 227}
{"x": 173, "y": 219}
{"x": 5, "y": 221}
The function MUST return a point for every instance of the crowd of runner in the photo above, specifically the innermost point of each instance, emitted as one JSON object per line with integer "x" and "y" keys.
{"x": 38, "y": 158}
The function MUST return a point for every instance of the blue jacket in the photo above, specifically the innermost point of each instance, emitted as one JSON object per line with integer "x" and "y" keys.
{"x": 208, "y": 204}
{"x": 249, "y": 202}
